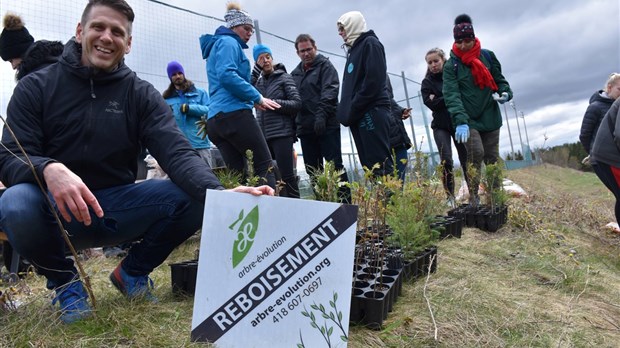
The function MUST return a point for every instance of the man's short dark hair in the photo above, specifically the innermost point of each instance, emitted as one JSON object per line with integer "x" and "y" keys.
{"x": 119, "y": 5}
{"x": 303, "y": 38}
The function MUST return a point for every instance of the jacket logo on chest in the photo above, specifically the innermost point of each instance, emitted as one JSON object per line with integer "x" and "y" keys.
{"x": 113, "y": 107}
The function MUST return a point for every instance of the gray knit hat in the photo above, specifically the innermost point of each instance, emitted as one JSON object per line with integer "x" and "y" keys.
{"x": 235, "y": 16}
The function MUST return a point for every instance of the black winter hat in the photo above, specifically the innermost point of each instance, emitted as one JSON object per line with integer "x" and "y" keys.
{"x": 463, "y": 29}
{"x": 15, "y": 38}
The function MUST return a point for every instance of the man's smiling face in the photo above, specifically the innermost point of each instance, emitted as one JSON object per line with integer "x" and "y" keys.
{"x": 105, "y": 38}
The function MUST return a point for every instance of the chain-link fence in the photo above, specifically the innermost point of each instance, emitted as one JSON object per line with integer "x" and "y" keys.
{"x": 162, "y": 33}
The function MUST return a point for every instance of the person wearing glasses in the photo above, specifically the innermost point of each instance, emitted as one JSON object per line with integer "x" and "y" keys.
{"x": 318, "y": 129}
{"x": 231, "y": 126}
{"x": 473, "y": 83}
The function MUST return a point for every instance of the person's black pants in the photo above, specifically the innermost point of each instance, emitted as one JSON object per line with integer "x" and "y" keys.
{"x": 236, "y": 132}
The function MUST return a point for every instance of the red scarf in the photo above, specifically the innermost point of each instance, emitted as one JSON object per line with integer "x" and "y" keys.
{"x": 471, "y": 58}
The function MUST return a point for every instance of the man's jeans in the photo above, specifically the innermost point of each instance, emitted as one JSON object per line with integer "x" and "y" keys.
{"x": 156, "y": 212}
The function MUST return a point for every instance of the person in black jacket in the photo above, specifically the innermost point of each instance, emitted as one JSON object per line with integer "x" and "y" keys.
{"x": 278, "y": 125}
{"x": 399, "y": 139}
{"x": 317, "y": 127}
{"x": 443, "y": 131}
{"x": 600, "y": 102}
{"x": 364, "y": 102}
{"x": 18, "y": 47}
{"x": 83, "y": 122}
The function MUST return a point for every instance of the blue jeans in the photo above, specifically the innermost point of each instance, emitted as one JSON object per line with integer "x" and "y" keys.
{"x": 156, "y": 212}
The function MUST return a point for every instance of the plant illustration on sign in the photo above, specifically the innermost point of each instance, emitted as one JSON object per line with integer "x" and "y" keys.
{"x": 245, "y": 234}
{"x": 326, "y": 331}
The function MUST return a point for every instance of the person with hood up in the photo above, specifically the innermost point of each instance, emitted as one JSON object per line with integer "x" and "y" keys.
{"x": 600, "y": 102}
{"x": 365, "y": 103}
{"x": 473, "y": 83}
{"x": 231, "y": 126}
{"x": 18, "y": 47}
{"x": 278, "y": 126}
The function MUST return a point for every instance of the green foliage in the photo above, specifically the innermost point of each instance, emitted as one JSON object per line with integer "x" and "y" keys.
{"x": 410, "y": 214}
{"x": 566, "y": 155}
{"x": 493, "y": 179}
{"x": 228, "y": 177}
{"x": 327, "y": 183}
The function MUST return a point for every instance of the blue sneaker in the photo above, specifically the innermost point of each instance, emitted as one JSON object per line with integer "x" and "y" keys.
{"x": 132, "y": 287}
{"x": 73, "y": 300}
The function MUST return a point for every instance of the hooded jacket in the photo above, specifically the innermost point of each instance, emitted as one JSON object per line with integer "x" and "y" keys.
{"x": 606, "y": 147}
{"x": 433, "y": 84}
{"x": 280, "y": 87}
{"x": 364, "y": 79}
{"x": 466, "y": 102}
{"x": 228, "y": 71}
{"x": 39, "y": 55}
{"x": 599, "y": 105}
{"x": 96, "y": 123}
{"x": 197, "y": 100}
{"x": 318, "y": 88}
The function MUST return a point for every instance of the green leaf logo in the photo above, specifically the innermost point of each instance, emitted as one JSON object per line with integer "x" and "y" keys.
{"x": 245, "y": 235}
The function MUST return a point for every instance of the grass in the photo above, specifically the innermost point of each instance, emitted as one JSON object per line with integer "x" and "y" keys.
{"x": 549, "y": 278}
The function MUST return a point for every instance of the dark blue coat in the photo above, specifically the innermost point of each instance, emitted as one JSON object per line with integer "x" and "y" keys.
{"x": 364, "y": 79}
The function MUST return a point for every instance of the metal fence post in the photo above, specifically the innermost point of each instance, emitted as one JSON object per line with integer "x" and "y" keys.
{"x": 415, "y": 142}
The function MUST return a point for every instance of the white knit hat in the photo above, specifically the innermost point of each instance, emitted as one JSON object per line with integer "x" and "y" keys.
{"x": 236, "y": 16}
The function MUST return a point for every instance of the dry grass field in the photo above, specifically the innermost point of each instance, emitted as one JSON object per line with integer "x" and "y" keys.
{"x": 549, "y": 278}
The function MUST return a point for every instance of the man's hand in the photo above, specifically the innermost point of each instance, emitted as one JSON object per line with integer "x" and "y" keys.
{"x": 256, "y": 191}
{"x": 70, "y": 192}
{"x": 319, "y": 126}
{"x": 267, "y": 104}
{"x": 406, "y": 113}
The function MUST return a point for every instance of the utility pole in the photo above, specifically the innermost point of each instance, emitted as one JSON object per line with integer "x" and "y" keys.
{"x": 514, "y": 107}
{"x": 525, "y": 126}
{"x": 509, "y": 134}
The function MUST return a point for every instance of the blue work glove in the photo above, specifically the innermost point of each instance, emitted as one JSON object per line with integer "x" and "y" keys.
{"x": 462, "y": 133}
{"x": 501, "y": 98}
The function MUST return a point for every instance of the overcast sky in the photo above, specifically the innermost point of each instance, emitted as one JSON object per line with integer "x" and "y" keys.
{"x": 555, "y": 54}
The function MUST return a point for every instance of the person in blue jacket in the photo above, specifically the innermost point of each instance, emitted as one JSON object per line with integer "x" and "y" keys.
{"x": 364, "y": 102}
{"x": 230, "y": 122}
{"x": 189, "y": 104}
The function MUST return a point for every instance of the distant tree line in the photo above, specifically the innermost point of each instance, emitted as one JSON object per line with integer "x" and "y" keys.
{"x": 566, "y": 155}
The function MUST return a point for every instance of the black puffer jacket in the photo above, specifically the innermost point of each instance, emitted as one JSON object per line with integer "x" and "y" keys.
{"x": 280, "y": 87}
{"x": 39, "y": 55}
{"x": 318, "y": 87}
{"x": 433, "y": 84}
{"x": 96, "y": 123}
{"x": 599, "y": 104}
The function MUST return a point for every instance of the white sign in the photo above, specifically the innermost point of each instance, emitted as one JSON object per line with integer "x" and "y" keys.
{"x": 274, "y": 272}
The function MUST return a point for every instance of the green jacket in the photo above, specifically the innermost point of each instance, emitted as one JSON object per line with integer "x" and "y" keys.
{"x": 466, "y": 102}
